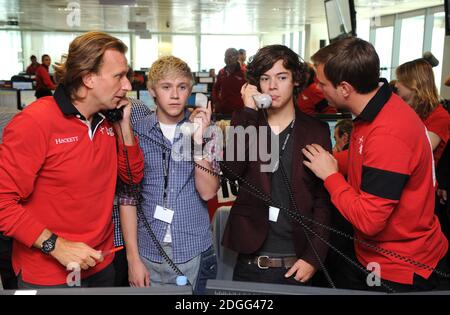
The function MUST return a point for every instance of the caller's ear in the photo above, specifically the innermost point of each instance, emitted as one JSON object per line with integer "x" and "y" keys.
{"x": 152, "y": 92}
{"x": 88, "y": 80}
{"x": 346, "y": 89}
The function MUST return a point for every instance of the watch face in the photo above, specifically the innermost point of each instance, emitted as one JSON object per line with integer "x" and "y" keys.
{"x": 48, "y": 246}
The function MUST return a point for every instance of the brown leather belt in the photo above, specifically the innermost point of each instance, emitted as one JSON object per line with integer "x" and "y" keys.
{"x": 265, "y": 262}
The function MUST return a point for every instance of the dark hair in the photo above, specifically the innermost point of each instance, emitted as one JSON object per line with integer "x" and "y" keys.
{"x": 312, "y": 75}
{"x": 44, "y": 56}
{"x": 231, "y": 51}
{"x": 33, "y": 57}
{"x": 267, "y": 56}
{"x": 242, "y": 51}
{"x": 344, "y": 126}
{"x": 86, "y": 56}
{"x": 352, "y": 60}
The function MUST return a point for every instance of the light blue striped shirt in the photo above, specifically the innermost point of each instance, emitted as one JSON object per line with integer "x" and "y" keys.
{"x": 190, "y": 227}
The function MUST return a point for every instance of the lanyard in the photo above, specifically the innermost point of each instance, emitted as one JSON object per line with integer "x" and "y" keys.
{"x": 287, "y": 138}
{"x": 284, "y": 145}
{"x": 166, "y": 162}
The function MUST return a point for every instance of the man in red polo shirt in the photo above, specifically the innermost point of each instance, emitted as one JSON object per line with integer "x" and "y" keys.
{"x": 31, "y": 69}
{"x": 44, "y": 83}
{"x": 389, "y": 194}
{"x": 58, "y": 168}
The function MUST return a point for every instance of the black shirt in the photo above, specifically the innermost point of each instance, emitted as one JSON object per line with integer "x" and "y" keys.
{"x": 279, "y": 238}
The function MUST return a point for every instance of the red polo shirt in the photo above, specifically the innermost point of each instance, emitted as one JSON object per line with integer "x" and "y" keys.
{"x": 311, "y": 101}
{"x": 438, "y": 122}
{"x": 43, "y": 79}
{"x": 389, "y": 196}
{"x": 56, "y": 172}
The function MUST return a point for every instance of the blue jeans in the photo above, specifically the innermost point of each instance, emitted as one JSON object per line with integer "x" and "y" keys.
{"x": 207, "y": 270}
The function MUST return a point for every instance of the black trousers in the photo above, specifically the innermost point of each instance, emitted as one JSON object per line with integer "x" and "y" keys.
{"x": 252, "y": 273}
{"x": 443, "y": 213}
{"x": 9, "y": 279}
{"x": 104, "y": 278}
{"x": 43, "y": 92}
{"x": 355, "y": 279}
{"x": 334, "y": 262}
{"x": 121, "y": 265}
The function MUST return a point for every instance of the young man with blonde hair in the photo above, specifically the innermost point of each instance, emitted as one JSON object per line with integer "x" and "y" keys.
{"x": 174, "y": 191}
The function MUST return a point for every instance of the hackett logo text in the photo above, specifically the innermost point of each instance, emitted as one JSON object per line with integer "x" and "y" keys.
{"x": 66, "y": 140}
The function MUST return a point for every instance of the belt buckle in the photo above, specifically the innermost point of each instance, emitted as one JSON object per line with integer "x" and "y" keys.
{"x": 259, "y": 262}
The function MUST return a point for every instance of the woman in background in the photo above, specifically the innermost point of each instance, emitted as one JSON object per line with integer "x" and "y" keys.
{"x": 415, "y": 84}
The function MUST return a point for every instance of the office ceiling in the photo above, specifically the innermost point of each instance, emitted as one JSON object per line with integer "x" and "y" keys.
{"x": 186, "y": 16}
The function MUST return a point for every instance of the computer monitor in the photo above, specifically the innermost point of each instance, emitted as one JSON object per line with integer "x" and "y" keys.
{"x": 18, "y": 85}
{"x": 9, "y": 99}
{"x": 147, "y": 98}
{"x": 447, "y": 17}
{"x": 200, "y": 88}
{"x": 341, "y": 19}
{"x": 26, "y": 97}
{"x": 191, "y": 100}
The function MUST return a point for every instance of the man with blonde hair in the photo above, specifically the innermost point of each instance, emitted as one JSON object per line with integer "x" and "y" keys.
{"x": 58, "y": 168}
{"x": 174, "y": 191}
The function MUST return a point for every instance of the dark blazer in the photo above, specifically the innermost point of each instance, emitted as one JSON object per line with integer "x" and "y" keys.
{"x": 248, "y": 222}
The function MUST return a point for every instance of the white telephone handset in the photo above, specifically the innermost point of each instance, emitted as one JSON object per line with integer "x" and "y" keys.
{"x": 263, "y": 101}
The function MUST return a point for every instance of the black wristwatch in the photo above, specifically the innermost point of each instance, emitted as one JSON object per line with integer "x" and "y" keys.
{"x": 49, "y": 245}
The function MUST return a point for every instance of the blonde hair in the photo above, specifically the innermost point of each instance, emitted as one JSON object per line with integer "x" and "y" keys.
{"x": 85, "y": 56}
{"x": 168, "y": 67}
{"x": 418, "y": 76}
